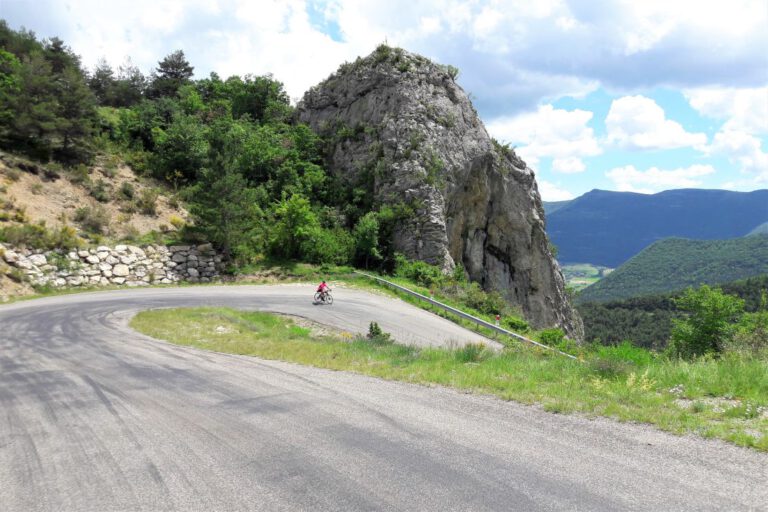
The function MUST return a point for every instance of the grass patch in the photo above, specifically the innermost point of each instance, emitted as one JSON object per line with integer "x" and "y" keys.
{"x": 615, "y": 382}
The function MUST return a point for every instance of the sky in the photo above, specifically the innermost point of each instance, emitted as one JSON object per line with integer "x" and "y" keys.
{"x": 637, "y": 95}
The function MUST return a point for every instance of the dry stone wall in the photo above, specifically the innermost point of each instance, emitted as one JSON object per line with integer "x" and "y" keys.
{"x": 126, "y": 265}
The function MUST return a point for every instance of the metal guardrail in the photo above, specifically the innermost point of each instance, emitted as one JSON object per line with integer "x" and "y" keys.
{"x": 462, "y": 314}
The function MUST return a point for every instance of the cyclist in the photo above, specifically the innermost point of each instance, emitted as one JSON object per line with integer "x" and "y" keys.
{"x": 323, "y": 289}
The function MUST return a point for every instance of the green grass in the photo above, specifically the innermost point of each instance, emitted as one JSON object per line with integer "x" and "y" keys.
{"x": 581, "y": 275}
{"x": 723, "y": 399}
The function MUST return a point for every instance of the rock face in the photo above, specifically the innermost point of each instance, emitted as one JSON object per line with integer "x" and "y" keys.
{"x": 401, "y": 127}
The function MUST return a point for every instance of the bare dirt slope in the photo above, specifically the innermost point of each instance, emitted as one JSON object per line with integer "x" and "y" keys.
{"x": 129, "y": 206}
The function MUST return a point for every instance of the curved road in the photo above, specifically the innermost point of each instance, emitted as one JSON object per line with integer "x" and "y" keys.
{"x": 94, "y": 416}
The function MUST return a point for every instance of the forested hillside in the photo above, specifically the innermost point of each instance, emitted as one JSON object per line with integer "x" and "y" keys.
{"x": 607, "y": 228}
{"x": 253, "y": 180}
{"x": 647, "y": 321}
{"x": 676, "y": 263}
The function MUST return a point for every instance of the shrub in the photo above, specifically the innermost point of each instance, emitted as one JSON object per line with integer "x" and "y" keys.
{"x": 37, "y": 236}
{"x": 418, "y": 271}
{"x": 13, "y": 174}
{"x": 552, "y": 337}
{"x": 471, "y": 353}
{"x": 93, "y": 220}
{"x": 377, "y": 336}
{"x": 709, "y": 324}
{"x": 147, "y": 202}
{"x": 176, "y": 221}
{"x": 751, "y": 333}
{"x": 126, "y": 191}
{"x": 36, "y": 188}
{"x": 99, "y": 190}
{"x": 79, "y": 174}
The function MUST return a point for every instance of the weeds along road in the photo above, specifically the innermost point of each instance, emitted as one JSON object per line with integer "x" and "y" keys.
{"x": 94, "y": 416}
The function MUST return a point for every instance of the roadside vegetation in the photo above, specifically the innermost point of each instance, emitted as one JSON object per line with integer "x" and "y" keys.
{"x": 724, "y": 397}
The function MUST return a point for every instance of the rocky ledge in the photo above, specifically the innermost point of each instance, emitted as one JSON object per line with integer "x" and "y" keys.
{"x": 402, "y": 128}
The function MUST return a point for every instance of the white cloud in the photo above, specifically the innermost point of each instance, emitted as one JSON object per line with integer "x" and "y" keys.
{"x": 550, "y": 133}
{"x": 745, "y": 150}
{"x": 514, "y": 54}
{"x": 638, "y": 122}
{"x": 744, "y": 109}
{"x": 568, "y": 165}
{"x": 630, "y": 179}
{"x": 551, "y": 192}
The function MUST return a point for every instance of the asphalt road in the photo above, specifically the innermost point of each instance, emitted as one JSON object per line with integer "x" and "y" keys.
{"x": 94, "y": 416}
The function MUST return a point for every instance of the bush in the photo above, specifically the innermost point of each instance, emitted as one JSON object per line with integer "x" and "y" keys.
{"x": 471, "y": 353}
{"x": 79, "y": 174}
{"x": 709, "y": 324}
{"x": 126, "y": 191}
{"x": 177, "y": 222}
{"x": 418, "y": 271}
{"x": 552, "y": 337}
{"x": 37, "y": 236}
{"x": 13, "y": 174}
{"x": 750, "y": 335}
{"x": 100, "y": 191}
{"x": 93, "y": 220}
{"x": 377, "y": 336}
{"x": 147, "y": 202}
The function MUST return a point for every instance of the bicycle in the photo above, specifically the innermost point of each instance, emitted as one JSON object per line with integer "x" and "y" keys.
{"x": 325, "y": 298}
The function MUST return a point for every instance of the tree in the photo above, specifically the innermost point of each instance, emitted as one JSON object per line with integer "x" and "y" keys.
{"x": 366, "y": 235}
{"x": 180, "y": 150}
{"x": 75, "y": 116}
{"x": 711, "y": 315}
{"x": 9, "y": 86}
{"x": 295, "y": 223}
{"x": 226, "y": 211}
{"x": 129, "y": 86}
{"x": 172, "y": 72}
{"x": 102, "y": 81}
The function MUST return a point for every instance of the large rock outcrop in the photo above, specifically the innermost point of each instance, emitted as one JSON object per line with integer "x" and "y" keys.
{"x": 400, "y": 125}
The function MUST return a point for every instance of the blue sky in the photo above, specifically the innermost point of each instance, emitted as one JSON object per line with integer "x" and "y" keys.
{"x": 620, "y": 95}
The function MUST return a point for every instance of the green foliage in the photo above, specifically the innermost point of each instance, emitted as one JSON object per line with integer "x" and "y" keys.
{"x": 551, "y": 337}
{"x": 709, "y": 324}
{"x": 647, "y": 321}
{"x": 674, "y": 264}
{"x": 46, "y": 108}
{"x": 94, "y": 220}
{"x": 226, "y": 212}
{"x": 99, "y": 190}
{"x": 126, "y": 191}
{"x": 366, "y": 235}
{"x": 419, "y": 272}
{"x": 750, "y": 335}
{"x": 172, "y": 73}
{"x": 471, "y": 353}
{"x": 147, "y": 201}
{"x": 377, "y": 336}
{"x": 37, "y": 236}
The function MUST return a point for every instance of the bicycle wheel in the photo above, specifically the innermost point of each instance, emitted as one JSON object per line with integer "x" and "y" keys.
{"x": 318, "y": 297}
{"x": 328, "y": 298}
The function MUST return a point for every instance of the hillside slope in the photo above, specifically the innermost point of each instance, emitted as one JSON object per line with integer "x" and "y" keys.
{"x": 607, "y": 228}
{"x": 647, "y": 321}
{"x": 676, "y": 263}
{"x": 31, "y": 193}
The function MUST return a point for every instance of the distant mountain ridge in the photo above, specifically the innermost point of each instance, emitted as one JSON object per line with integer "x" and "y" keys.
{"x": 607, "y": 228}
{"x": 676, "y": 263}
